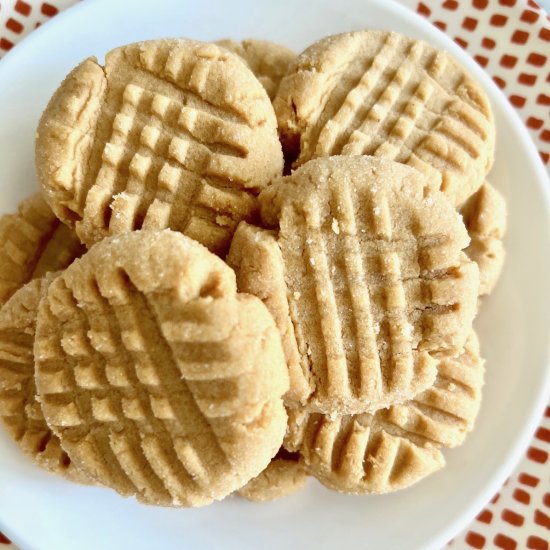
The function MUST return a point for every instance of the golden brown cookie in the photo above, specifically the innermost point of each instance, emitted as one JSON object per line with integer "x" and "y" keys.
{"x": 267, "y": 60}
{"x": 446, "y": 412}
{"x": 32, "y": 243}
{"x": 395, "y": 447}
{"x": 357, "y": 454}
{"x": 283, "y": 477}
{"x": 380, "y": 93}
{"x": 169, "y": 133}
{"x": 160, "y": 380}
{"x": 485, "y": 215}
{"x": 19, "y": 407}
{"x": 365, "y": 277}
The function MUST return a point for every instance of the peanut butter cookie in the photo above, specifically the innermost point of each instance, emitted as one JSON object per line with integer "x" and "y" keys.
{"x": 168, "y": 134}
{"x": 267, "y": 60}
{"x": 365, "y": 275}
{"x": 159, "y": 379}
{"x": 32, "y": 243}
{"x": 485, "y": 214}
{"x": 396, "y": 447}
{"x": 381, "y": 93}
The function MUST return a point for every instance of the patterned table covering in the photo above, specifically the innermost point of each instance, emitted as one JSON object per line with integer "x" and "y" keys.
{"x": 511, "y": 40}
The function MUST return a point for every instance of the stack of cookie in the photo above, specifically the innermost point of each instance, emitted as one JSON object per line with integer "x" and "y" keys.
{"x": 182, "y": 321}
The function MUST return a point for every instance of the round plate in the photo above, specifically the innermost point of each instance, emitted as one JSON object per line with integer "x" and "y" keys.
{"x": 41, "y": 511}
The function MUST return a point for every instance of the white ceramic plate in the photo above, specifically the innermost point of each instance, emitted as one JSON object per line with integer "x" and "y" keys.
{"x": 39, "y": 511}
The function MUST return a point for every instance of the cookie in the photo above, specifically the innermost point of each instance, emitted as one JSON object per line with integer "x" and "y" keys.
{"x": 283, "y": 477}
{"x": 267, "y": 60}
{"x": 365, "y": 277}
{"x": 168, "y": 134}
{"x": 259, "y": 266}
{"x": 32, "y": 243}
{"x": 19, "y": 407}
{"x": 446, "y": 412}
{"x": 356, "y": 454}
{"x": 381, "y": 93}
{"x": 160, "y": 380}
{"x": 485, "y": 215}
{"x": 392, "y": 449}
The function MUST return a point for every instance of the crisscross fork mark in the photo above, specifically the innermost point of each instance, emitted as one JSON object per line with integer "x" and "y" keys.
{"x": 444, "y": 126}
{"x": 165, "y": 118}
{"x": 16, "y": 372}
{"x": 333, "y": 381}
{"x": 65, "y": 366}
{"x": 151, "y": 172}
{"x": 435, "y": 68}
{"x": 347, "y": 457}
{"x": 452, "y": 402}
{"x": 353, "y": 368}
{"x": 153, "y": 337}
{"x": 114, "y": 157}
{"x": 384, "y": 103}
{"x": 130, "y": 143}
{"x": 402, "y": 123}
{"x": 330, "y": 83}
{"x": 154, "y": 174}
{"x": 347, "y": 448}
{"x": 400, "y": 367}
{"x": 337, "y": 128}
{"x": 449, "y": 426}
{"x": 405, "y": 122}
{"x": 119, "y": 366}
{"x": 138, "y": 151}
{"x": 364, "y": 366}
{"x": 16, "y": 350}
{"x": 128, "y": 444}
{"x": 170, "y": 71}
{"x": 33, "y": 240}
